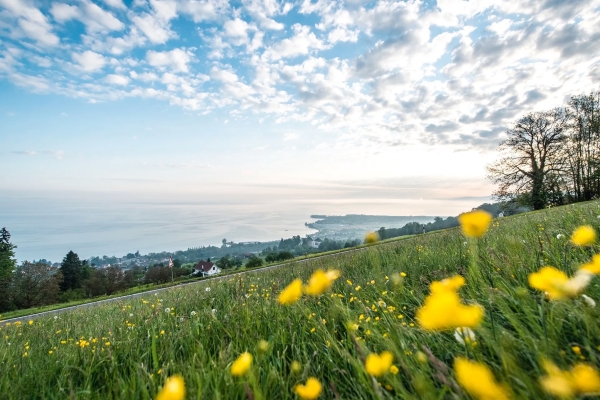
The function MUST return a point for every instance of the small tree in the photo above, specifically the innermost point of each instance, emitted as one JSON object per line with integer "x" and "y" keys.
{"x": 72, "y": 271}
{"x": 7, "y": 266}
{"x": 36, "y": 285}
{"x": 254, "y": 262}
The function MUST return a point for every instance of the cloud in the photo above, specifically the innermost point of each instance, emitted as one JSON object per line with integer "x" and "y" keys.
{"x": 31, "y": 22}
{"x": 95, "y": 18}
{"x": 118, "y": 80}
{"x": 89, "y": 61}
{"x": 58, "y": 154}
{"x": 301, "y": 43}
{"x": 177, "y": 59}
{"x": 25, "y": 152}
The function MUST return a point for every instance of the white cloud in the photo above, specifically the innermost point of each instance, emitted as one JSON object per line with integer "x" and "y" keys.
{"x": 95, "y": 18}
{"x": 301, "y": 43}
{"x": 32, "y": 22}
{"x": 176, "y": 59}
{"x": 63, "y": 12}
{"x": 115, "y": 4}
{"x": 114, "y": 79}
{"x": 89, "y": 61}
{"x": 144, "y": 76}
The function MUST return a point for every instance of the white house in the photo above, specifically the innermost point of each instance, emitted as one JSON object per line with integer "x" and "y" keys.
{"x": 206, "y": 268}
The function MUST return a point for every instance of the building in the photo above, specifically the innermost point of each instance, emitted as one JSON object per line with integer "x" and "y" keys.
{"x": 206, "y": 268}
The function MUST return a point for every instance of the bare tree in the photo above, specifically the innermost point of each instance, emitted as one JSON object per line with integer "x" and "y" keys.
{"x": 530, "y": 161}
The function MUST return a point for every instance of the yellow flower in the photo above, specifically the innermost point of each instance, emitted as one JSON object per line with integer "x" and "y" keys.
{"x": 174, "y": 389}
{"x": 444, "y": 311}
{"x": 478, "y": 380}
{"x": 311, "y": 390}
{"x": 557, "y": 285}
{"x": 475, "y": 223}
{"x": 583, "y": 379}
{"x": 592, "y": 267}
{"x": 583, "y": 236}
{"x": 378, "y": 364}
{"x": 449, "y": 284}
{"x": 30, "y": 322}
{"x": 107, "y": 344}
{"x": 263, "y": 346}
{"x": 291, "y": 293}
{"x": 371, "y": 237}
{"x": 296, "y": 367}
{"x": 320, "y": 281}
{"x": 394, "y": 370}
{"x": 242, "y": 364}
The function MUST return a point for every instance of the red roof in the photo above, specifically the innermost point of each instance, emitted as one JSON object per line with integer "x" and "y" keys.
{"x": 204, "y": 266}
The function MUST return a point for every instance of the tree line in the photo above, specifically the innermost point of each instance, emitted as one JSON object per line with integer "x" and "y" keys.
{"x": 551, "y": 157}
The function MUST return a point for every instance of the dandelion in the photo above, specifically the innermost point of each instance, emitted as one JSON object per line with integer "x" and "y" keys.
{"x": 464, "y": 335}
{"x": 213, "y": 311}
{"x": 582, "y": 379}
{"x": 593, "y": 267}
{"x": 477, "y": 379}
{"x": 174, "y": 389}
{"x": 167, "y": 310}
{"x": 193, "y": 313}
{"x": 309, "y": 391}
{"x": 378, "y": 364}
{"x": 291, "y": 293}
{"x": 207, "y": 289}
{"x": 371, "y": 237}
{"x": 449, "y": 284}
{"x": 559, "y": 236}
{"x": 320, "y": 281}
{"x": 475, "y": 223}
{"x": 583, "y": 236}
{"x": 557, "y": 285}
{"x": 30, "y": 322}
{"x": 394, "y": 370}
{"x": 242, "y": 364}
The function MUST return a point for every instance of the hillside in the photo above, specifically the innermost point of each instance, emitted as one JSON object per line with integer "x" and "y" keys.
{"x": 128, "y": 349}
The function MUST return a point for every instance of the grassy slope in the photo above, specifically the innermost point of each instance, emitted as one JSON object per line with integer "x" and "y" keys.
{"x": 517, "y": 331}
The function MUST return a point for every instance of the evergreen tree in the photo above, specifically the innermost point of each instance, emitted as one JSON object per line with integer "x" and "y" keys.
{"x": 72, "y": 270}
{"x": 7, "y": 267}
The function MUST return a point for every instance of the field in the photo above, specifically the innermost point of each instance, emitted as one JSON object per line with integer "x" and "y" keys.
{"x": 129, "y": 349}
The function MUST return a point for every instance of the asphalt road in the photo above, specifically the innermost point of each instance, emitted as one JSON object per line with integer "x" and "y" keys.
{"x": 131, "y": 296}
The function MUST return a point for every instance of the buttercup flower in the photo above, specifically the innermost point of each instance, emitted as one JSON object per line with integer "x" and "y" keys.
{"x": 593, "y": 266}
{"x": 583, "y": 236}
{"x": 311, "y": 390}
{"x": 449, "y": 284}
{"x": 371, "y": 237}
{"x": 320, "y": 281}
{"x": 582, "y": 379}
{"x": 242, "y": 364}
{"x": 174, "y": 389}
{"x": 443, "y": 310}
{"x": 291, "y": 293}
{"x": 477, "y": 379}
{"x": 378, "y": 364}
{"x": 296, "y": 367}
{"x": 557, "y": 285}
{"x": 475, "y": 223}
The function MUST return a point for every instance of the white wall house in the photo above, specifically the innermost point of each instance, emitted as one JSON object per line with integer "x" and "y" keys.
{"x": 206, "y": 268}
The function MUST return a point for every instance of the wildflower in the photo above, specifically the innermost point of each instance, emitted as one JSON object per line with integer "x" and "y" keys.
{"x": 394, "y": 370}
{"x": 477, "y": 379}
{"x": 557, "y": 284}
{"x": 30, "y": 322}
{"x": 592, "y": 267}
{"x": 371, "y": 237}
{"x": 464, "y": 335}
{"x": 167, "y": 310}
{"x": 174, "y": 389}
{"x": 263, "y": 346}
{"x": 475, "y": 223}
{"x": 192, "y": 313}
{"x": 207, "y": 289}
{"x": 320, "y": 281}
{"x": 378, "y": 364}
{"x": 559, "y": 236}
{"x": 349, "y": 282}
{"x": 449, "y": 284}
{"x": 588, "y": 300}
{"x": 242, "y": 364}
{"x": 309, "y": 391}
{"x": 107, "y": 344}
{"x": 162, "y": 332}
{"x": 582, "y": 379}
{"x": 443, "y": 310}
{"x": 583, "y": 236}
{"x": 403, "y": 274}
{"x": 56, "y": 317}
{"x": 296, "y": 367}
{"x": 291, "y": 293}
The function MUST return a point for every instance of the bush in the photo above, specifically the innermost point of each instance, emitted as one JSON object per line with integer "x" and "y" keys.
{"x": 254, "y": 262}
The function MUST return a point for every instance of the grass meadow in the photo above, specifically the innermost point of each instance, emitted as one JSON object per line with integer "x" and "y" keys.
{"x": 128, "y": 349}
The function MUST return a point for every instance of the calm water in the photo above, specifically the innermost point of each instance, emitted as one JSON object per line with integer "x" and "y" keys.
{"x": 50, "y": 227}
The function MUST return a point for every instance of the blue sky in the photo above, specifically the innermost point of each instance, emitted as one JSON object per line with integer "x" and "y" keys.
{"x": 337, "y": 100}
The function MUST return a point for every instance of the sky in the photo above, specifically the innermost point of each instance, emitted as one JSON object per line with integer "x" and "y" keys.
{"x": 252, "y": 101}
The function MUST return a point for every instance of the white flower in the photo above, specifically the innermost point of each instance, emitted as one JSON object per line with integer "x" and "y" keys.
{"x": 207, "y": 289}
{"x": 465, "y": 243}
{"x": 193, "y": 313}
{"x": 167, "y": 310}
{"x": 588, "y": 300}
{"x": 464, "y": 334}
{"x": 214, "y": 311}
{"x": 131, "y": 315}
{"x": 181, "y": 319}
{"x": 247, "y": 295}
{"x": 559, "y": 236}
{"x": 598, "y": 217}
{"x": 56, "y": 317}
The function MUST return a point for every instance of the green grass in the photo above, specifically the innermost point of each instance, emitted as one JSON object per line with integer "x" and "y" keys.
{"x": 519, "y": 328}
